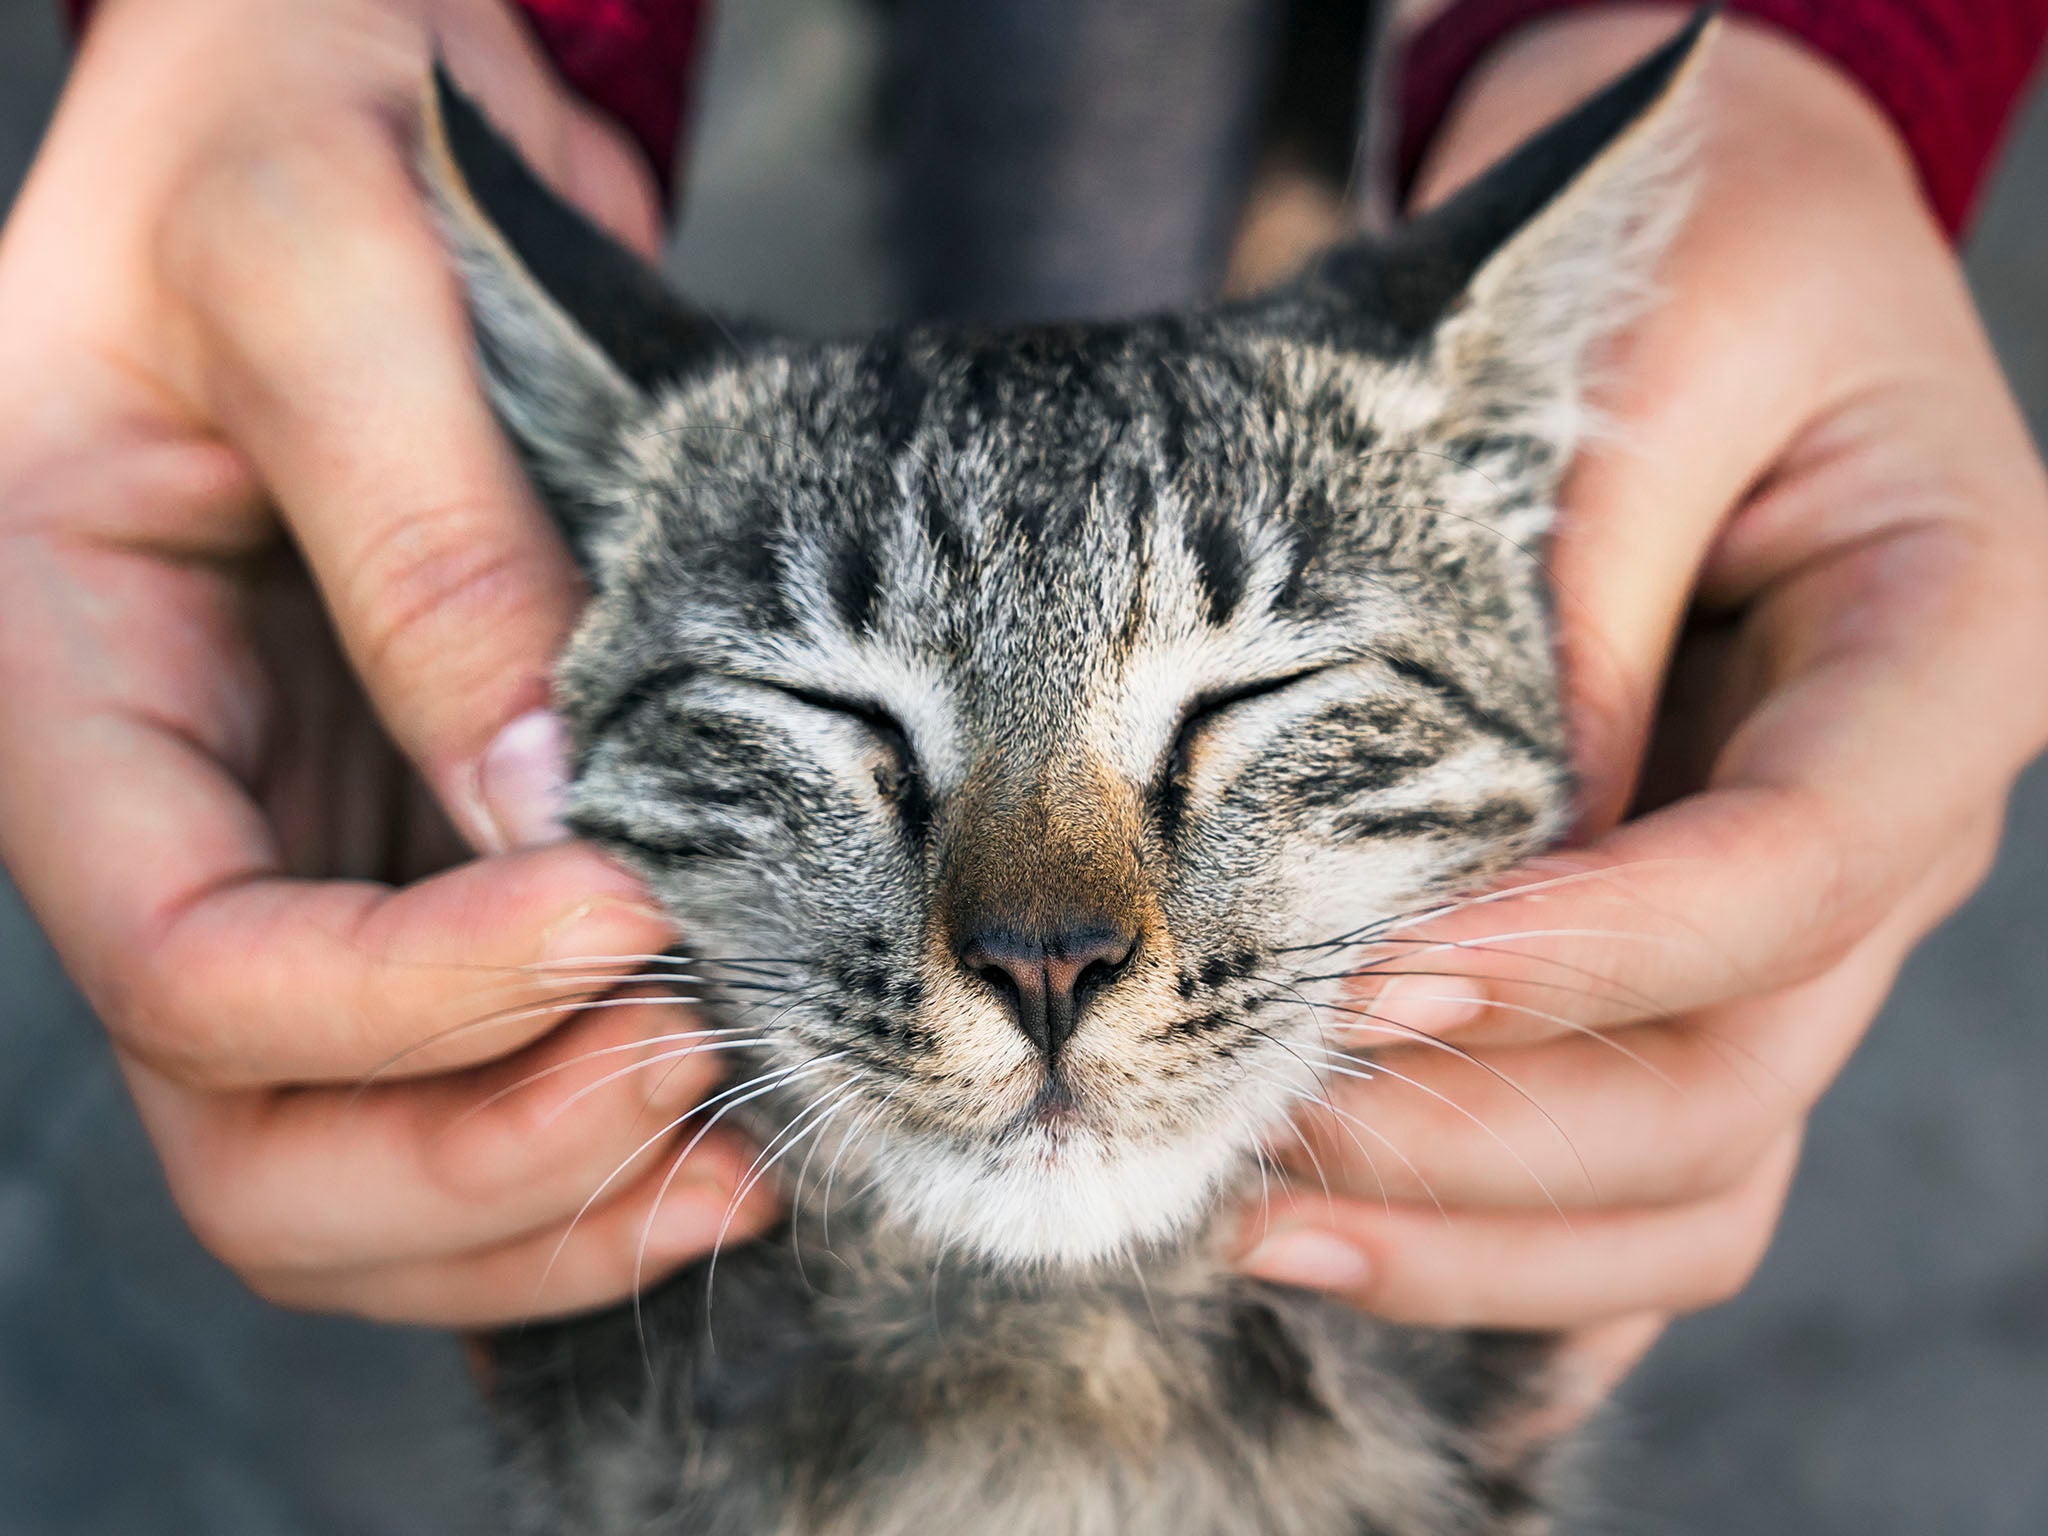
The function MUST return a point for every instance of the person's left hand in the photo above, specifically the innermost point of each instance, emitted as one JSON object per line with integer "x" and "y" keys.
{"x": 1816, "y": 455}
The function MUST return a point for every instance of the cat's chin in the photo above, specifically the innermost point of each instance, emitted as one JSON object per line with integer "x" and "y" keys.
{"x": 1058, "y": 1199}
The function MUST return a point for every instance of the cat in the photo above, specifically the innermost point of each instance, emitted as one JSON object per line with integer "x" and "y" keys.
{"x": 1040, "y": 725}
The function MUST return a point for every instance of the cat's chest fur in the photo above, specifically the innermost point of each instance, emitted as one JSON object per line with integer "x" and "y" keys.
{"x": 863, "y": 1391}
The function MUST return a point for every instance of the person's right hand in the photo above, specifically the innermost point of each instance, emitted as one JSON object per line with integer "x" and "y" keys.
{"x": 245, "y": 464}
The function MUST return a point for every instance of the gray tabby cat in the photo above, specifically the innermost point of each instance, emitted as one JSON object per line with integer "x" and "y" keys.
{"x": 1044, "y": 724}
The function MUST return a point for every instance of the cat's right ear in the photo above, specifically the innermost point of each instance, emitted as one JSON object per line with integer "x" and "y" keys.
{"x": 1508, "y": 285}
{"x": 573, "y": 331}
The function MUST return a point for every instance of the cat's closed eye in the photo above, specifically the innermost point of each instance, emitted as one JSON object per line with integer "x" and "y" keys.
{"x": 1201, "y": 714}
{"x": 897, "y": 775}
{"x": 1209, "y": 709}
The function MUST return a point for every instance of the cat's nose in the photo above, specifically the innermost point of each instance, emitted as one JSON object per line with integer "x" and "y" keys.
{"x": 1047, "y": 981}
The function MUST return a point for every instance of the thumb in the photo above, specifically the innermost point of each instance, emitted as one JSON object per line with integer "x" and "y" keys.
{"x": 336, "y": 357}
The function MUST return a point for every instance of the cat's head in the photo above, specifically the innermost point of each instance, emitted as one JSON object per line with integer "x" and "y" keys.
{"x": 1023, "y": 719}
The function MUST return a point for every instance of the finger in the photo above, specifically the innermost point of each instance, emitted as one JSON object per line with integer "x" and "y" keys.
{"x": 1665, "y": 1113}
{"x": 339, "y": 361}
{"x": 158, "y": 880}
{"x": 1524, "y": 1270}
{"x": 1552, "y": 983}
{"x": 610, "y": 1252}
{"x": 1830, "y": 819}
{"x": 275, "y": 980}
{"x": 314, "y": 1179}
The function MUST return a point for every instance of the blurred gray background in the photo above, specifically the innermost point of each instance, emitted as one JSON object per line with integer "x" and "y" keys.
{"x": 1887, "y": 1372}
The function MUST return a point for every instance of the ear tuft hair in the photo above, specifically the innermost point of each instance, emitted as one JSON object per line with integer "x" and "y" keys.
{"x": 1513, "y": 279}
{"x": 1600, "y": 163}
{"x": 573, "y": 330}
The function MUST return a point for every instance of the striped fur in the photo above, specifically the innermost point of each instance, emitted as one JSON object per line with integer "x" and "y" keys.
{"x": 1225, "y": 631}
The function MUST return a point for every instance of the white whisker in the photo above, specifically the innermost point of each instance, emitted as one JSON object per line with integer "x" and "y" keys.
{"x": 794, "y": 1134}
{"x": 627, "y": 1162}
{"x": 1381, "y": 1069}
{"x": 1560, "y": 1020}
{"x": 514, "y": 1016}
{"x": 1405, "y": 1160}
{"x": 859, "y": 1128}
{"x": 788, "y": 1074}
{"x": 664, "y": 1058}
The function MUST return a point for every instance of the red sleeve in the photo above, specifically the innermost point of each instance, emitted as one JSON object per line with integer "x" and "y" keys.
{"x": 1949, "y": 72}
{"x": 629, "y": 58}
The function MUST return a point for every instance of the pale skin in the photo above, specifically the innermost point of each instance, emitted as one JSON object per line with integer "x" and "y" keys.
{"x": 224, "y": 325}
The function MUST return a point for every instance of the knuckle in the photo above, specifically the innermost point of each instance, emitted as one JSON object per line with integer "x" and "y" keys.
{"x": 221, "y": 1180}
{"x": 219, "y": 1218}
{"x": 1718, "y": 1162}
{"x": 425, "y": 575}
{"x": 253, "y": 1233}
{"x": 1842, "y": 890}
{"x": 1729, "y": 1263}
{"x": 1722, "y": 1140}
{"x": 150, "y": 1015}
{"x": 164, "y": 1009}
{"x": 1837, "y": 918}
{"x": 498, "y": 1155}
{"x": 1968, "y": 866}
{"x": 1723, "y": 1275}
{"x": 270, "y": 190}
{"x": 1981, "y": 849}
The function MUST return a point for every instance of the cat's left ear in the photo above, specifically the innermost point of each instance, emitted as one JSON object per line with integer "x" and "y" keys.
{"x": 1513, "y": 279}
{"x": 573, "y": 330}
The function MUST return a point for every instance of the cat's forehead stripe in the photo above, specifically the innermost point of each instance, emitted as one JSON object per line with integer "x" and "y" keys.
{"x": 1220, "y": 563}
{"x": 962, "y": 495}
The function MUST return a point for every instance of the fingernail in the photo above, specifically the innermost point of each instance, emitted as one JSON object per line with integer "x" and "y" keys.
{"x": 604, "y": 928}
{"x": 523, "y": 782}
{"x": 1312, "y": 1259}
{"x": 1433, "y": 1005}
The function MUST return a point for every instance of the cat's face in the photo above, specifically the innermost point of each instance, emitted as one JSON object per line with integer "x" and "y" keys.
{"x": 1031, "y": 707}
{"x": 1022, "y": 725}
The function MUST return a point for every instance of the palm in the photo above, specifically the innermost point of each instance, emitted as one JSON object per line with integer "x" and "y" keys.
{"x": 339, "y": 796}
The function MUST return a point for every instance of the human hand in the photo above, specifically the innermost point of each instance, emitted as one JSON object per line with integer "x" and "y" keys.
{"x": 246, "y": 463}
{"x": 1819, "y": 504}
